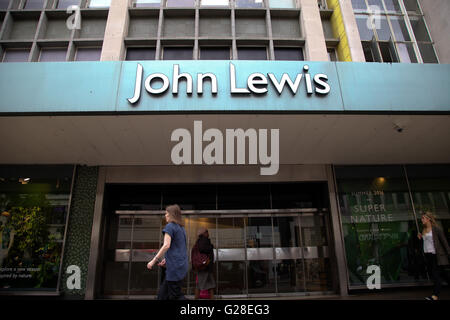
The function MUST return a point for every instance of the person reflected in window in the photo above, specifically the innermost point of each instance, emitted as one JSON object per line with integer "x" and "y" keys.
{"x": 436, "y": 250}
{"x": 205, "y": 283}
{"x": 175, "y": 256}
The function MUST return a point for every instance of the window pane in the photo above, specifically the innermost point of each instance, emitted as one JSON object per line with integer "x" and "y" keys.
{"x": 252, "y": 53}
{"x": 400, "y": 31}
{"x": 368, "y": 51}
{"x": 34, "y": 4}
{"x": 332, "y": 54}
{"x": 64, "y": 4}
{"x": 99, "y": 3}
{"x": 406, "y": 53}
{"x": 177, "y": 53}
{"x": 180, "y": 3}
{"x": 387, "y": 52}
{"x": 359, "y": 5}
{"x": 427, "y": 52}
{"x": 147, "y": 3}
{"x": 217, "y": 3}
{"x": 412, "y": 5}
{"x": 295, "y": 54}
{"x": 140, "y": 54}
{"x": 249, "y": 3}
{"x": 392, "y": 6}
{"x": 382, "y": 27}
{"x": 4, "y": 4}
{"x": 88, "y": 54}
{"x": 31, "y": 252}
{"x": 282, "y": 4}
{"x": 215, "y": 53}
{"x": 419, "y": 28}
{"x": 375, "y": 5}
{"x": 16, "y": 55}
{"x": 51, "y": 55}
{"x": 363, "y": 23}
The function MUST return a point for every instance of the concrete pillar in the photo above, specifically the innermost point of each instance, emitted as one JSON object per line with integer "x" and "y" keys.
{"x": 436, "y": 15}
{"x": 315, "y": 46}
{"x": 116, "y": 30}
{"x": 351, "y": 30}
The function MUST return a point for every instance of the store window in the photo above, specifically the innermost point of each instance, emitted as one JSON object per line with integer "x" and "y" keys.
{"x": 34, "y": 203}
{"x": 16, "y": 55}
{"x": 379, "y": 225}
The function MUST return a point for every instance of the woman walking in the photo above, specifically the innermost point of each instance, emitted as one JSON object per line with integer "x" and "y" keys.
{"x": 205, "y": 278}
{"x": 174, "y": 251}
{"x": 436, "y": 250}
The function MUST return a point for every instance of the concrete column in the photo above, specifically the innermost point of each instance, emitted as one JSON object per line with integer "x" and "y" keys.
{"x": 351, "y": 30}
{"x": 315, "y": 46}
{"x": 116, "y": 31}
{"x": 436, "y": 15}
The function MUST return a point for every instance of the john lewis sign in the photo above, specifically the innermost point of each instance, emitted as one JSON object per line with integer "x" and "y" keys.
{"x": 222, "y": 86}
{"x": 257, "y": 82}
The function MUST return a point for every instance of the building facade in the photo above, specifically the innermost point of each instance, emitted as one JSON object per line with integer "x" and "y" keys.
{"x": 307, "y": 136}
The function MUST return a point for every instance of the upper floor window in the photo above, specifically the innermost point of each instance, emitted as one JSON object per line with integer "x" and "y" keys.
{"x": 64, "y": 4}
{"x": 180, "y": 3}
{"x": 146, "y": 3}
{"x": 393, "y": 31}
{"x": 249, "y": 4}
{"x": 34, "y": 4}
{"x": 99, "y": 4}
{"x": 16, "y": 55}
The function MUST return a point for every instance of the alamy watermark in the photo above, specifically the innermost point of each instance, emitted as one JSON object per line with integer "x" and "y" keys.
{"x": 374, "y": 280}
{"x": 74, "y": 21}
{"x": 74, "y": 280}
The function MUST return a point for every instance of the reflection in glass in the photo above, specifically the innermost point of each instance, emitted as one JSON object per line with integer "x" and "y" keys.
{"x": 4, "y": 5}
{"x": 363, "y": 24}
{"x": 378, "y": 223}
{"x": 392, "y": 6}
{"x": 261, "y": 276}
{"x": 231, "y": 277}
{"x": 400, "y": 31}
{"x": 259, "y": 232}
{"x": 382, "y": 28}
{"x": 428, "y": 53}
{"x": 88, "y": 54}
{"x": 419, "y": 28}
{"x": 215, "y": 53}
{"x": 140, "y": 54}
{"x": 406, "y": 53}
{"x": 359, "y": 5}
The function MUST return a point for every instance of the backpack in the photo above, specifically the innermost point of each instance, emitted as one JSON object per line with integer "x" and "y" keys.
{"x": 199, "y": 260}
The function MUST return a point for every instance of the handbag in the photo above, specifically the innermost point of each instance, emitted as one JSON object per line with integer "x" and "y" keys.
{"x": 199, "y": 260}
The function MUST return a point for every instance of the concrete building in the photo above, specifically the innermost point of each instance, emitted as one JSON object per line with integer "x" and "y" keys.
{"x": 307, "y": 136}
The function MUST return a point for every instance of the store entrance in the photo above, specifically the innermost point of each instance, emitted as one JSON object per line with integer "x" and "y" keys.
{"x": 258, "y": 252}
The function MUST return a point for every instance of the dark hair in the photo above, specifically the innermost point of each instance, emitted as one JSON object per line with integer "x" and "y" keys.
{"x": 175, "y": 214}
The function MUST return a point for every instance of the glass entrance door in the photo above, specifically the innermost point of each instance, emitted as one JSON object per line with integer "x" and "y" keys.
{"x": 256, "y": 253}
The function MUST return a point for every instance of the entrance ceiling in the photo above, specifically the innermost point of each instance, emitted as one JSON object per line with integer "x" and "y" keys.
{"x": 145, "y": 139}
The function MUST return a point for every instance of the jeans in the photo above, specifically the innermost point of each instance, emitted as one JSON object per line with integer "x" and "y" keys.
{"x": 171, "y": 290}
{"x": 435, "y": 271}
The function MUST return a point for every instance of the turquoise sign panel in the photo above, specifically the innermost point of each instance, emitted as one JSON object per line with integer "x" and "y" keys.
{"x": 280, "y": 86}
